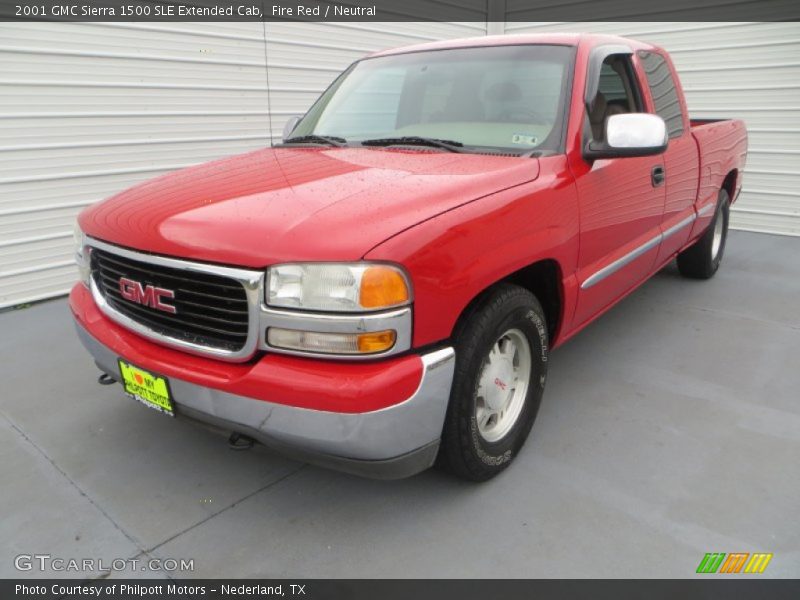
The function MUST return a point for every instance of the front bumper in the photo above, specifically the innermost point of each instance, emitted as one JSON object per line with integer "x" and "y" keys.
{"x": 392, "y": 441}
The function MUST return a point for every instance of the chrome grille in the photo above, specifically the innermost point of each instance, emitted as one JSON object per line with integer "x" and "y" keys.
{"x": 213, "y": 310}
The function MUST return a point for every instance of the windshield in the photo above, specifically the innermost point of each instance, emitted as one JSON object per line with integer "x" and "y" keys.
{"x": 504, "y": 98}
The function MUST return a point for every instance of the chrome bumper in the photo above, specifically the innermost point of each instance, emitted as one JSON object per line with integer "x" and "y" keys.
{"x": 389, "y": 443}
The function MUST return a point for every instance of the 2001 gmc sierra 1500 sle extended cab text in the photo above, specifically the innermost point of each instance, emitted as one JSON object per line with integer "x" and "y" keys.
{"x": 380, "y": 291}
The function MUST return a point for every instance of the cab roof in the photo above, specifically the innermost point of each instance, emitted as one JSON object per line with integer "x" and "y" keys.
{"x": 561, "y": 39}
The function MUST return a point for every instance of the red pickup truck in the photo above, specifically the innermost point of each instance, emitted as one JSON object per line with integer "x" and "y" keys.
{"x": 380, "y": 291}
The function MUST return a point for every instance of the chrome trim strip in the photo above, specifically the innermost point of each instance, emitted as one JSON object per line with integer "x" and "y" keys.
{"x": 252, "y": 281}
{"x": 438, "y": 358}
{"x": 706, "y": 209}
{"x": 399, "y": 320}
{"x": 678, "y": 226}
{"x": 598, "y": 276}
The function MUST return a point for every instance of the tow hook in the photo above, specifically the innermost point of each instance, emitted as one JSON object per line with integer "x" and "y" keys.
{"x": 106, "y": 379}
{"x": 239, "y": 441}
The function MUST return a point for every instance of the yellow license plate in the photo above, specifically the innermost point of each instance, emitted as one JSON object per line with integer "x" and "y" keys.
{"x": 151, "y": 390}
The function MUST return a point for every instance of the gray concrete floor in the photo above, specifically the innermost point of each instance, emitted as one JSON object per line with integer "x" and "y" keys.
{"x": 669, "y": 428}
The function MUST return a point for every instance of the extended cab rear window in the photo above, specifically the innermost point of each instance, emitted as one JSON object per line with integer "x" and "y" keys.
{"x": 662, "y": 88}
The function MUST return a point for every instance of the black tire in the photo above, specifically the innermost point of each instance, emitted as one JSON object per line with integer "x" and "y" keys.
{"x": 699, "y": 261}
{"x": 464, "y": 451}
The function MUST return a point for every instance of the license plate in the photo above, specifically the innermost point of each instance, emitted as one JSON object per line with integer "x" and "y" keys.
{"x": 151, "y": 390}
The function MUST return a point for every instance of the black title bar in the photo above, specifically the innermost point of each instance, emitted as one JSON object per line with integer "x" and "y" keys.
{"x": 369, "y": 589}
{"x": 400, "y": 10}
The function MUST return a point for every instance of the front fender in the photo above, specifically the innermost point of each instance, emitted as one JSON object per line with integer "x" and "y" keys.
{"x": 455, "y": 256}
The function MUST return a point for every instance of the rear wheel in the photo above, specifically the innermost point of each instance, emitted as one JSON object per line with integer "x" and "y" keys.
{"x": 501, "y": 365}
{"x": 702, "y": 259}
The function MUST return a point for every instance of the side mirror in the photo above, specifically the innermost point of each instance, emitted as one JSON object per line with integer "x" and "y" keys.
{"x": 289, "y": 127}
{"x": 631, "y": 134}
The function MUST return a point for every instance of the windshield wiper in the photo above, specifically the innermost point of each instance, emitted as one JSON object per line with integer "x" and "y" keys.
{"x": 329, "y": 140}
{"x": 414, "y": 140}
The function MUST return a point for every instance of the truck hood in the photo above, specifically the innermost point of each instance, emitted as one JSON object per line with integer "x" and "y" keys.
{"x": 294, "y": 204}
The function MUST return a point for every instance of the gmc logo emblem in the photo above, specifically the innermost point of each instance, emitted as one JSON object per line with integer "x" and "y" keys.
{"x": 148, "y": 295}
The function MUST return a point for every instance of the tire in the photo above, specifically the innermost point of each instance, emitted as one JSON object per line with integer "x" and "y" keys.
{"x": 490, "y": 352}
{"x": 702, "y": 259}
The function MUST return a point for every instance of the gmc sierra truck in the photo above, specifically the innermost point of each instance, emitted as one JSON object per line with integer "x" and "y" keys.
{"x": 380, "y": 291}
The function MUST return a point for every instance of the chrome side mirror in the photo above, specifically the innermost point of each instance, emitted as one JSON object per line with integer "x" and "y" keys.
{"x": 630, "y": 134}
{"x": 290, "y": 126}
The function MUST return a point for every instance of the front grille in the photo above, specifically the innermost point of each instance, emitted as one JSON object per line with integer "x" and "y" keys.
{"x": 211, "y": 310}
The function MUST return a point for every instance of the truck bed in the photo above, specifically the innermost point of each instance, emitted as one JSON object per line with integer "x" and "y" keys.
{"x": 722, "y": 147}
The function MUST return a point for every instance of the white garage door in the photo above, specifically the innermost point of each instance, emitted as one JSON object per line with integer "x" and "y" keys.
{"x": 749, "y": 71}
{"x": 88, "y": 109}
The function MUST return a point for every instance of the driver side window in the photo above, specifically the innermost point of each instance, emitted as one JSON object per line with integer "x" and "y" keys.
{"x": 618, "y": 93}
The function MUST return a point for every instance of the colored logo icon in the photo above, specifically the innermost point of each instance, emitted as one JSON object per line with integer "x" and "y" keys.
{"x": 735, "y": 562}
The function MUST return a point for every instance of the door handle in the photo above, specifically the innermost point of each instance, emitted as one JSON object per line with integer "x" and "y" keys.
{"x": 658, "y": 175}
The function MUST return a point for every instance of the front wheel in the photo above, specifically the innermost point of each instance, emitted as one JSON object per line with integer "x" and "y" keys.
{"x": 702, "y": 259}
{"x": 501, "y": 366}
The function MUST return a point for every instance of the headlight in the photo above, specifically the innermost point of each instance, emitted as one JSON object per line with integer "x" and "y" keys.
{"x": 337, "y": 287}
{"x": 81, "y": 254}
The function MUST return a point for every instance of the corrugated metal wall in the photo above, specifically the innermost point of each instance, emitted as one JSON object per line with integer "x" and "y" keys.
{"x": 750, "y": 71}
{"x": 88, "y": 109}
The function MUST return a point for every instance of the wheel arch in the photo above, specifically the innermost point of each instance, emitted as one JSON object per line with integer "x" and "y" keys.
{"x": 730, "y": 182}
{"x": 543, "y": 278}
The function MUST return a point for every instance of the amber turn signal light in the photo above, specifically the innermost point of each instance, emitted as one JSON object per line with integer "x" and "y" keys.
{"x": 383, "y": 287}
{"x": 379, "y": 341}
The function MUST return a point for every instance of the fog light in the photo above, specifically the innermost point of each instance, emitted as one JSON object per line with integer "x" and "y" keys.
{"x": 331, "y": 343}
